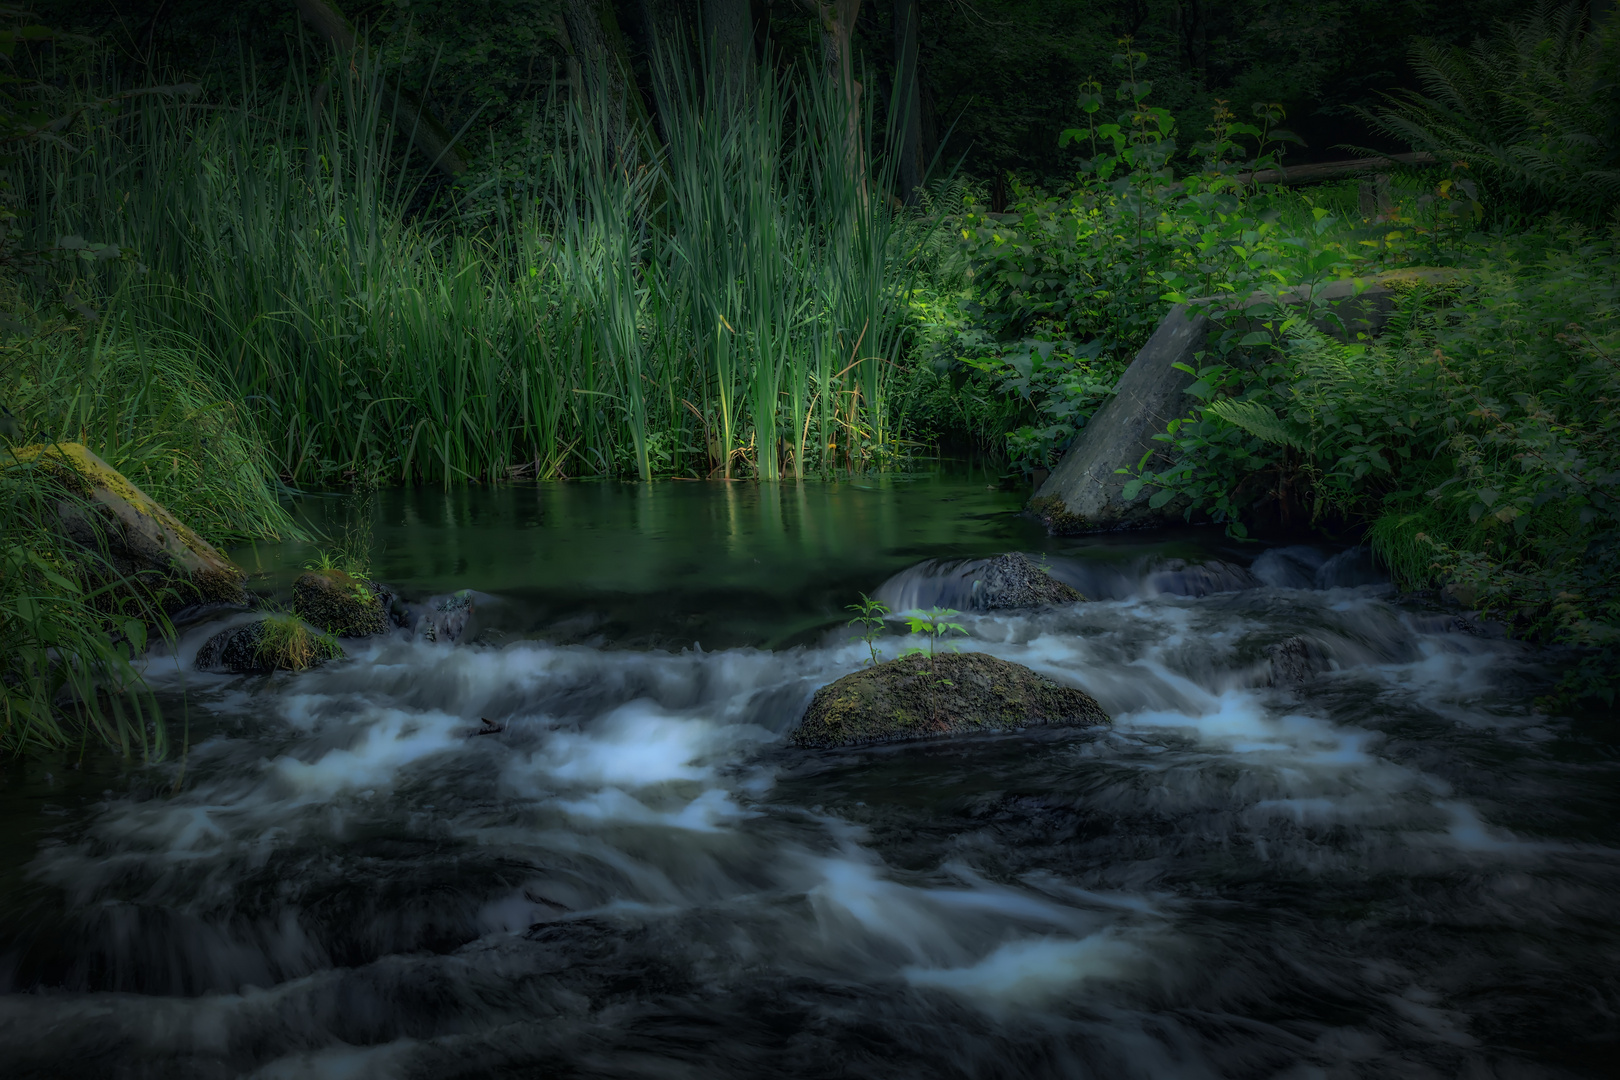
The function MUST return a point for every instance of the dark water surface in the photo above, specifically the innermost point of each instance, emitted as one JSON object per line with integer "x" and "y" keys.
{"x": 1395, "y": 868}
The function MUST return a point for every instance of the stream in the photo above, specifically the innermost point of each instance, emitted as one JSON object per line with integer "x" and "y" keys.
{"x": 1368, "y": 856}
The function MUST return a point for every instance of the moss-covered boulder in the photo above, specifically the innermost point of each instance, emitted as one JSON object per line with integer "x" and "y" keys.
{"x": 343, "y": 604}
{"x": 951, "y": 694}
{"x": 1015, "y": 581}
{"x": 273, "y": 643}
{"x": 104, "y": 513}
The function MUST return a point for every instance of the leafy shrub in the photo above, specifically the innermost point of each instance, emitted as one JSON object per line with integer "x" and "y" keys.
{"x": 1070, "y": 286}
{"x": 1476, "y": 439}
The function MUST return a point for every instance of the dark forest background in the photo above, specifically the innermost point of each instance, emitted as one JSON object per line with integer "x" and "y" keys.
{"x": 997, "y": 79}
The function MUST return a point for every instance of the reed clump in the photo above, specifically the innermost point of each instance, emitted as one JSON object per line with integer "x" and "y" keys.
{"x": 724, "y": 300}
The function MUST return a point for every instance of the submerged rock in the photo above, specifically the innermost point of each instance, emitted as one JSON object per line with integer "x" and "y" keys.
{"x": 141, "y": 541}
{"x": 1295, "y": 660}
{"x": 1015, "y": 581}
{"x": 275, "y": 643}
{"x": 951, "y": 694}
{"x": 449, "y": 620}
{"x": 343, "y": 604}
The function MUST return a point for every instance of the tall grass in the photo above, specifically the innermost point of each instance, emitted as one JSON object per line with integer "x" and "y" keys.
{"x": 724, "y": 303}
{"x": 70, "y": 623}
{"x": 154, "y": 412}
{"x": 68, "y": 631}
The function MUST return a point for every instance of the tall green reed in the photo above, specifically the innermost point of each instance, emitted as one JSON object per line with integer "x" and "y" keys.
{"x": 722, "y": 301}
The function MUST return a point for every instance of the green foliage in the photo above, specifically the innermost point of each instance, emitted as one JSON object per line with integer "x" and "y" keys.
{"x": 1073, "y": 285}
{"x": 869, "y": 615}
{"x": 68, "y": 633}
{"x": 69, "y": 629}
{"x": 1001, "y": 70}
{"x": 1476, "y": 438}
{"x": 1535, "y": 108}
{"x": 1060, "y": 383}
{"x": 154, "y": 412}
{"x": 730, "y": 306}
{"x": 934, "y": 625}
{"x": 286, "y": 643}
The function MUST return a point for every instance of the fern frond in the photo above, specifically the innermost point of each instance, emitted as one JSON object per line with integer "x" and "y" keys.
{"x": 1534, "y": 106}
{"x": 1258, "y": 420}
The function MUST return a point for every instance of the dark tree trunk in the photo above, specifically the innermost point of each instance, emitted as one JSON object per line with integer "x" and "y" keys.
{"x": 599, "y": 68}
{"x": 728, "y": 33}
{"x": 429, "y": 136}
{"x": 761, "y": 12}
{"x": 908, "y": 98}
{"x": 837, "y": 18}
{"x": 1190, "y": 26}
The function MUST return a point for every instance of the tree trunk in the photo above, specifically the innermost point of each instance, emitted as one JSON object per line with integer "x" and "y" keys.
{"x": 429, "y": 136}
{"x": 837, "y": 18}
{"x": 761, "y": 13}
{"x": 728, "y": 34}
{"x": 598, "y": 67}
{"x": 1194, "y": 50}
{"x": 908, "y": 98}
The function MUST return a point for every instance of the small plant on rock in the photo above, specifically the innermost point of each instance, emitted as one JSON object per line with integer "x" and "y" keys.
{"x": 932, "y": 624}
{"x": 869, "y": 615}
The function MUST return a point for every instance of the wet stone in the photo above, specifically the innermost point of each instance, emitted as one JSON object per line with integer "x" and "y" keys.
{"x": 918, "y": 697}
{"x": 343, "y": 604}
{"x": 449, "y": 620}
{"x": 241, "y": 650}
{"x": 1015, "y": 581}
{"x": 1295, "y": 660}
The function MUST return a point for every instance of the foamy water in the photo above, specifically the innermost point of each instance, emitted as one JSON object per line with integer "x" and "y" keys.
{"x": 1387, "y": 870}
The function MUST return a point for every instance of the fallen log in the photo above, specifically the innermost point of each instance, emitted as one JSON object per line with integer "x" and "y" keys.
{"x": 1328, "y": 170}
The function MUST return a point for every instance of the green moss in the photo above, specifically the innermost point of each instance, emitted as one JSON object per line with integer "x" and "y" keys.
{"x": 344, "y": 604}
{"x": 1057, "y": 517}
{"x": 918, "y": 697}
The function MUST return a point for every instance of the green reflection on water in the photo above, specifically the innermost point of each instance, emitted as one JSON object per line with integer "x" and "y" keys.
{"x": 669, "y": 563}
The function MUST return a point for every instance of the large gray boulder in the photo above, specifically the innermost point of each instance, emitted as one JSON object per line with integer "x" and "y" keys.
{"x": 1086, "y": 492}
{"x": 918, "y": 697}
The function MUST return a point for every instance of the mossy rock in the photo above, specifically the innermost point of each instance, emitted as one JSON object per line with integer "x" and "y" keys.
{"x": 141, "y": 541}
{"x": 274, "y": 643}
{"x": 1016, "y": 581}
{"x": 343, "y": 604}
{"x": 951, "y": 694}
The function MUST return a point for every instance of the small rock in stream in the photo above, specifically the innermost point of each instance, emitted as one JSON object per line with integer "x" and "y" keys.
{"x": 276, "y": 643}
{"x": 449, "y": 620}
{"x": 917, "y": 697}
{"x": 1295, "y": 660}
{"x": 1014, "y": 581}
{"x": 343, "y": 604}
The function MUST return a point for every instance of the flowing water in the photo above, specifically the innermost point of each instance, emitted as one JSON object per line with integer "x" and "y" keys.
{"x": 1364, "y": 855}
